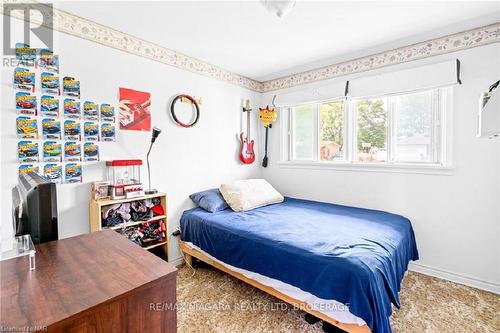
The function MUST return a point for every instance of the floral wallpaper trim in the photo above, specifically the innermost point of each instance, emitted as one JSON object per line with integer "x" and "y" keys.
{"x": 95, "y": 32}
{"x": 452, "y": 43}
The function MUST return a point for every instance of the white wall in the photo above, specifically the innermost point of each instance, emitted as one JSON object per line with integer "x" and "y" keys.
{"x": 183, "y": 160}
{"x": 456, "y": 218}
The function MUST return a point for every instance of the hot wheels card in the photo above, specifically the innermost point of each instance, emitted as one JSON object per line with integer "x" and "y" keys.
{"x": 107, "y": 113}
{"x": 71, "y": 87}
{"x": 50, "y": 83}
{"x": 25, "y": 54}
{"x": 72, "y": 130}
{"x": 90, "y": 110}
{"x": 24, "y": 79}
{"x": 90, "y": 151}
{"x": 91, "y": 131}
{"x": 52, "y": 172}
{"x": 49, "y": 61}
{"x": 27, "y": 151}
{"x": 107, "y": 132}
{"x": 26, "y": 103}
{"x": 49, "y": 106}
{"x": 52, "y": 151}
{"x": 24, "y": 168}
{"x": 51, "y": 128}
{"x": 27, "y": 128}
{"x": 73, "y": 173}
{"x": 71, "y": 108}
{"x": 72, "y": 151}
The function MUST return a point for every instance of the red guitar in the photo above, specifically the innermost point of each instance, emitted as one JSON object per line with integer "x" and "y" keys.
{"x": 247, "y": 155}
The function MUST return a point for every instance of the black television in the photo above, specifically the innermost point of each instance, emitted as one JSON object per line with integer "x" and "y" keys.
{"x": 34, "y": 208}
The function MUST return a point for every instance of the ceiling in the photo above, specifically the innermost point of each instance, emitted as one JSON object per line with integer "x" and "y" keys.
{"x": 242, "y": 37}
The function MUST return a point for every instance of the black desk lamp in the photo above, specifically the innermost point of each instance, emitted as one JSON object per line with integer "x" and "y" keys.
{"x": 156, "y": 132}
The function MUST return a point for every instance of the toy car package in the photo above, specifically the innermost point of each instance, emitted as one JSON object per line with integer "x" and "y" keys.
{"x": 27, "y": 151}
{"x": 52, "y": 151}
{"x": 26, "y": 103}
{"x": 52, "y": 172}
{"x": 49, "y": 106}
{"x": 71, "y": 87}
{"x": 90, "y": 151}
{"x": 51, "y": 128}
{"x": 71, "y": 108}
{"x": 24, "y": 79}
{"x": 91, "y": 131}
{"x": 72, "y": 151}
{"x": 49, "y": 61}
{"x": 90, "y": 111}
{"x": 73, "y": 173}
{"x": 107, "y": 113}
{"x": 50, "y": 83}
{"x": 72, "y": 130}
{"x": 24, "y": 168}
{"x": 107, "y": 132}
{"x": 25, "y": 54}
{"x": 27, "y": 128}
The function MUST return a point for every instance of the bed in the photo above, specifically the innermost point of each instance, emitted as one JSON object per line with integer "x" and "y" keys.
{"x": 342, "y": 264}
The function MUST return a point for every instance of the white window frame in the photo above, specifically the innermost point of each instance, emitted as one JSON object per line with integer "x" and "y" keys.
{"x": 442, "y": 145}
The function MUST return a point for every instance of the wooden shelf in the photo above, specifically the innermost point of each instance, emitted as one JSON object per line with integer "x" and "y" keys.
{"x": 95, "y": 216}
{"x": 130, "y": 224}
{"x": 107, "y": 202}
{"x": 155, "y": 245}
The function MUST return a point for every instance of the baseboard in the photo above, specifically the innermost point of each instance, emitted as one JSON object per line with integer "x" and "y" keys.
{"x": 457, "y": 278}
{"x": 176, "y": 262}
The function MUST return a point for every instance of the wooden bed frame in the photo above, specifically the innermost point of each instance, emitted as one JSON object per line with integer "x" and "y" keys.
{"x": 190, "y": 252}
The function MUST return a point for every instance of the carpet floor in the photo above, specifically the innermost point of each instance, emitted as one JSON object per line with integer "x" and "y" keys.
{"x": 212, "y": 301}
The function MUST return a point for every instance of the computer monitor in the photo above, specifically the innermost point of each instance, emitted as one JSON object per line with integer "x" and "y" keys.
{"x": 34, "y": 208}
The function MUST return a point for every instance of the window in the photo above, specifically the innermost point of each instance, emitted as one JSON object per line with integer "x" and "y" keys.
{"x": 393, "y": 129}
{"x": 415, "y": 125}
{"x": 331, "y": 126}
{"x": 371, "y": 130}
{"x": 303, "y": 129}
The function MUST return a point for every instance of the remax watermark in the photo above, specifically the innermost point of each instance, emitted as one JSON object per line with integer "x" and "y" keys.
{"x": 19, "y": 51}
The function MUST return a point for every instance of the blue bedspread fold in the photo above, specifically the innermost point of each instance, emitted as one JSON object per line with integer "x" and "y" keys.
{"x": 352, "y": 255}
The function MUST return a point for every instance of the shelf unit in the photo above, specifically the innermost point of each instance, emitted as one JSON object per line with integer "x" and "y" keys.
{"x": 95, "y": 219}
{"x": 131, "y": 224}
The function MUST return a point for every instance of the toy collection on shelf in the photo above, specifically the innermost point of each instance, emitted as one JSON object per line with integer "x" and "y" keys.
{"x": 119, "y": 204}
{"x": 54, "y": 142}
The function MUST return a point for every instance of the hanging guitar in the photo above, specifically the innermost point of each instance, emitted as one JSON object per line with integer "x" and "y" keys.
{"x": 247, "y": 154}
{"x": 267, "y": 116}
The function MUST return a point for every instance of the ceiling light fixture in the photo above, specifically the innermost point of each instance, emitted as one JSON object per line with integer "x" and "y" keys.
{"x": 278, "y": 7}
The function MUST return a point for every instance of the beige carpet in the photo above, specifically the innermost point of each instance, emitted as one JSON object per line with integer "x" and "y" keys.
{"x": 212, "y": 301}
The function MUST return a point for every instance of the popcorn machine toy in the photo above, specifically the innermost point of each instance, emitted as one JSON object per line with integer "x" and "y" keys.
{"x": 125, "y": 178}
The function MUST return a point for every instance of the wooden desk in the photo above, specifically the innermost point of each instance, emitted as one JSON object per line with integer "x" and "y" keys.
{"x": 98, "y": 282}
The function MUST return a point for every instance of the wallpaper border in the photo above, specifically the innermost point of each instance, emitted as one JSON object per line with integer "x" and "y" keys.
{"x": 86, "y": 29}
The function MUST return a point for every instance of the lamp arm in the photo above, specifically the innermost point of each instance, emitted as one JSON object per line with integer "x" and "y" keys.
{"x": 147, "y": 161}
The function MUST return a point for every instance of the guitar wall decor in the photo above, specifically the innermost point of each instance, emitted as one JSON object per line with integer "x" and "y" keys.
{"x": 267, "y": 116}
{"x": 247, "y": 154}
{"x": 185, "y": 99}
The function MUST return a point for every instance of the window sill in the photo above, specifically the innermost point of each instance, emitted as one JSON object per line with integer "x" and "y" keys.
{"x": 433, "y": 169}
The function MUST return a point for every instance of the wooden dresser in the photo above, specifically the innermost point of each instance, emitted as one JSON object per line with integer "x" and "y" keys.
{"x": 98, "y": 282}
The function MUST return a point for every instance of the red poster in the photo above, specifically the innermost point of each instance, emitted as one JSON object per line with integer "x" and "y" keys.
{"x": 135, "y": 110}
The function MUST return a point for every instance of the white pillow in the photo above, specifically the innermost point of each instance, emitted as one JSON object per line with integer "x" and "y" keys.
{"x": 243, "y": 195}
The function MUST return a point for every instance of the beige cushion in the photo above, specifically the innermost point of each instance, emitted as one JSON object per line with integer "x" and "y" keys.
{"x": 243, "y": 195}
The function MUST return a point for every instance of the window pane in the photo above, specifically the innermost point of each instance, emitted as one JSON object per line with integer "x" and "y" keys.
{"x": 303, "y": 132}
{"x": 331, "y": 146}
{"x": 372, "y": 130}
{"x": 413, "y": 127}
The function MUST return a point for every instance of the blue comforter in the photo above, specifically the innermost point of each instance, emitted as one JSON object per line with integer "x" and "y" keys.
{"x": 352, "y": 255}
